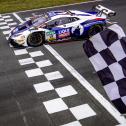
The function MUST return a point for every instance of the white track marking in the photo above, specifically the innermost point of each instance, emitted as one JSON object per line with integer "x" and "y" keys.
{"x": 58, "y": 6}
{"x": 53, "y": 75}
{"x": 9, "y": 44}
{"x": 3, "y": 23}
{"x": 55, "y": 105}
{"x": 105, "y": 103}
{"x": 34, "y": 72}
{"x": 4, "y": 27}
{"x": 44, "y": 63}
{"x": 82, "y": 111}
{"x": 20, "y": 52}
{"x": 26, "y": 61}
{"x": 11, "y": 24}
{"x": 18, "y": 17}
{"x": 1, "y": 19}
{"x": 75, "y": 123}
{"x": 6, "y": 32}
{"x": 36, "y": 54}
{"x": 66, "y": 91}
{"x": 42, "y": 87}
{"x": 8, "y": 20}
{"x": 5, "y": 17}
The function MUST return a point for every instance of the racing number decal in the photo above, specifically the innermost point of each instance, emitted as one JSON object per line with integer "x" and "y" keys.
{"x": 77, "y": 30}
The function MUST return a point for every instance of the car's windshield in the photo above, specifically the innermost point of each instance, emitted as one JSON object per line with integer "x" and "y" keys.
{"x": 40, "y": 20}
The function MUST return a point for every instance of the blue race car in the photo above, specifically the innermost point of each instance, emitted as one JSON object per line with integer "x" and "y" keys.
{"x": 57, "y": 26}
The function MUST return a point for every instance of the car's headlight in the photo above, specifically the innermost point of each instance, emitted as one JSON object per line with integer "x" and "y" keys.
{"x": 20, "y": 39}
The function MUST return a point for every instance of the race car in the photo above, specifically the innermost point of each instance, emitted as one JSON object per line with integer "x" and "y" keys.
{"x": 58, "y": 26}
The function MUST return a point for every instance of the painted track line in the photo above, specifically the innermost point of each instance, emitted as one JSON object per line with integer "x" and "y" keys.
{"x": 105, "y": 103}
{"x": 91, "y": 1}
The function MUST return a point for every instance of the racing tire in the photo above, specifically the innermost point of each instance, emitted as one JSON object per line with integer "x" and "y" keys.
{"x": 35, "y": 39}
{"x": 94, "y": 30}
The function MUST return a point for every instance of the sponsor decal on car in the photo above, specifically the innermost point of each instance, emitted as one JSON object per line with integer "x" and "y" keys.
{"x": 77, "y": 30}
{"x": 50, "y": 36}
{"x": 63, "y": 33}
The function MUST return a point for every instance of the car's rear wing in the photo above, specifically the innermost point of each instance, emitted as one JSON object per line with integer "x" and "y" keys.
{"x": 103, "y": 10}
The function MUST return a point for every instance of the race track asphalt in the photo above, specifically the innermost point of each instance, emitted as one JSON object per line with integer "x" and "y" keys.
{"x": 50, "y": 95}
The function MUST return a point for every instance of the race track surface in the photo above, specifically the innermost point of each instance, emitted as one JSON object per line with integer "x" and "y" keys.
{"x": 38, "y": 86}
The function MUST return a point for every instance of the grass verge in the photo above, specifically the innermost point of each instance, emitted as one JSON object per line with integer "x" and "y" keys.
{"x": 18, "y": 5}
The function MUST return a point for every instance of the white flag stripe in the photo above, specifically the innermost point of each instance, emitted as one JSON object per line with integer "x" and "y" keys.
{"x": 121, "y": 124}
{"x": 111, "y": 89}
{"x": 116, "y": 28}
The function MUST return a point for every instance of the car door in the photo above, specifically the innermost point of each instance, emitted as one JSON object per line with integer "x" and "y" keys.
{"x": 74, "y": 24}
{"x": 57, "y": 32}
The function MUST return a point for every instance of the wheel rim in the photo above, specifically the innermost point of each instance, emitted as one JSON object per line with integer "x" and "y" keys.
{"x": 35, "y": 39}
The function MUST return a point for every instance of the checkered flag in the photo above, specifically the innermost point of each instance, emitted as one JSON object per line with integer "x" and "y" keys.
{"x": 107, "y": 53}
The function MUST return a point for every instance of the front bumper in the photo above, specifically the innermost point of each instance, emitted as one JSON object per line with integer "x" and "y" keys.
{"x": 14, "y": 43}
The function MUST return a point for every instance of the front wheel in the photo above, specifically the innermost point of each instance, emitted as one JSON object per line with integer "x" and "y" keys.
{"x": 94, "y": 30}
{"x": 35, "y": 39}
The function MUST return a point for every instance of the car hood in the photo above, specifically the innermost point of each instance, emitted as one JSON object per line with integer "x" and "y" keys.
{"x": 32, "y": 23}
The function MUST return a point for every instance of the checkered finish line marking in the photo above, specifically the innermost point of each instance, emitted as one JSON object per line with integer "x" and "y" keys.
{"x": 6, "y": 24}
{"x": 55, "y": 105}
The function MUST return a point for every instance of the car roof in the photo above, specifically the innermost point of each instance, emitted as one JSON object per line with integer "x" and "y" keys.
{"x": 67, "y": 12}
